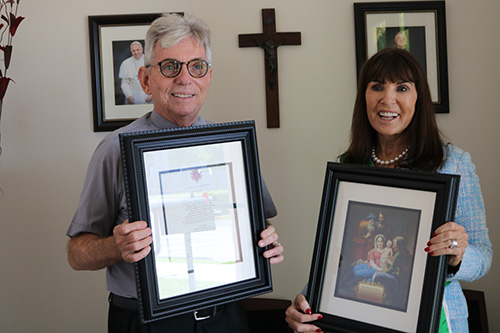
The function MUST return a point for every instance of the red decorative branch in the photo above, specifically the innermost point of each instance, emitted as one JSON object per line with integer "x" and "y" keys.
{"x": 8, "y": 13}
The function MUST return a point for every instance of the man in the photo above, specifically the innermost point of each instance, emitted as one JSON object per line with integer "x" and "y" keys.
{"x": 129, "y": 69}
{"x": 400, "y": 39}
{"x": 362, "y": 240}
{"x": 383, "y": 228}
{"x": 178, "y": 75}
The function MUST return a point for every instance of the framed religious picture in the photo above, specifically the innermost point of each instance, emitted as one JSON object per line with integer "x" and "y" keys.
{"x": 199, "y": 189}
{"x": 370, "y": 272}
{"x": 416, "y": 26}
{"x": 116, "y": 54}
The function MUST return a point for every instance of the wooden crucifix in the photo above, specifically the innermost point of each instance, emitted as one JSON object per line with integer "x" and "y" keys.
{"x": 270, "y": 40}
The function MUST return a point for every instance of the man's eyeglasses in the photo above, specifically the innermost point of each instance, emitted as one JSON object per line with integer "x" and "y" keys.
{"x": 170, "y": 68}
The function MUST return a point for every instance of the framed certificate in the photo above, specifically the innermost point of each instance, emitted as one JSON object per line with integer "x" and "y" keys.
{"x": 370, "y": 272}
{"x": 199, "y": 189}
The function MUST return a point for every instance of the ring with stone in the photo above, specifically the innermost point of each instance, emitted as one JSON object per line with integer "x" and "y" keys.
{"x": 454, "y": 243}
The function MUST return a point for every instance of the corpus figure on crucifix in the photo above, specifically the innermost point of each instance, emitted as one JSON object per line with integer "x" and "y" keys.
{"x": 272, "y": 61}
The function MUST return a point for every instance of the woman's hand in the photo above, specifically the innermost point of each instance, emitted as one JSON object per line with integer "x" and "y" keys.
{"x": 374, "y": 265}
{"x": 299, "y": 313}
{"x": 442, "y": 239}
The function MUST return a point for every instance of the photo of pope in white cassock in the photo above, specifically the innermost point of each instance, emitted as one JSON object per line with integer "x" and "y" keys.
{"x": 128, "y": 60}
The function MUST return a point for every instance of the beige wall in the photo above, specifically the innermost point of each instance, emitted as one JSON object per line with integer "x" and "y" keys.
{"x": 47, "y": 136}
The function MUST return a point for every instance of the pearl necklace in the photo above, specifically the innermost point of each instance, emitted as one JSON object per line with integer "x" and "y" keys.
{"x": 379, "y": 161}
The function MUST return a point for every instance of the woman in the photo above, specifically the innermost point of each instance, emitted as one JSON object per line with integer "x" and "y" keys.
{"x": 363, "y": 270}
{"x": 394, "y": 126}
{"x": 373, "y": 264}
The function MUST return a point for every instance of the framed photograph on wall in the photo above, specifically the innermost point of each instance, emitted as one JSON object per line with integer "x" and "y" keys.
{"x": 116, "y": 53}
{"x": 416, "y": 26}
{"x": 370, "y": 272}
{"x": 199, "y": 189}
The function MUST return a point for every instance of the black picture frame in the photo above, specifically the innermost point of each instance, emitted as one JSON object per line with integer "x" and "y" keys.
{"x": 110, "y": 37}
{"x": 424, "y": 26}
{"x": 350, "y": 296}
{"x": 199, "y": 189}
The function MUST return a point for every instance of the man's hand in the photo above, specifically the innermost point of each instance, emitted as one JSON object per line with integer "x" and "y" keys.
{"x": 270, "y": 237}
{"x": 130, "y": 242}
{"x": 133, "y": 240}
